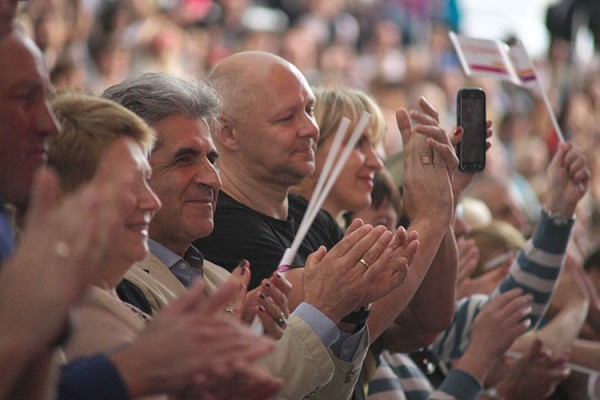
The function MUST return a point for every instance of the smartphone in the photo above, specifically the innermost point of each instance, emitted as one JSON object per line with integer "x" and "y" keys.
{"x": 470, "y": 115}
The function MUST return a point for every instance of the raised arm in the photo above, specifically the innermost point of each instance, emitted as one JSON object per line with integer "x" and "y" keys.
{"x": 424, "y": 303}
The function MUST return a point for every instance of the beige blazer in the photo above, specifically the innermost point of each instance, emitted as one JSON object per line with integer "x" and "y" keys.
{"x": 103, "y": 323}
{"x": 300, "y": 360}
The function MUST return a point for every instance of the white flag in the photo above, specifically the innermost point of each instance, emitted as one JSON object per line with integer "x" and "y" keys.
{"x": 495, "y": 59}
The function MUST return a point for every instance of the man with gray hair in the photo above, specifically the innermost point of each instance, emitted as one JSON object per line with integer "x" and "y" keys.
{"x": 185, "y": 178}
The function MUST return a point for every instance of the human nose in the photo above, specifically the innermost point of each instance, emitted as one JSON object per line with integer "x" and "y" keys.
{"x": 208, "y": 175}
{"x": 309, "y": 128}
{"x": 372, "y": 159}
{"x": 149, "y": 200}
{"x": 46, "y": 121}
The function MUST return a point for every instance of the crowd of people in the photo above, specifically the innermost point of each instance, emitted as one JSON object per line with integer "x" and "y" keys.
{"x": 157, "y": 159}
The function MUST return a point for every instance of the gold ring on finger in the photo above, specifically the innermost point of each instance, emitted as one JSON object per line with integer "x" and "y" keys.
{"x": 364, "y": 262}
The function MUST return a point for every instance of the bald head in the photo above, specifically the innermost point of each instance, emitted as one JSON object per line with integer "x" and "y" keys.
{"x": 242, "y": 78}
{"x": 268, "y": 130}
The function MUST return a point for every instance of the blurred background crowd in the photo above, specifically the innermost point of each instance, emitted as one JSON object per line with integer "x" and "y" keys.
{"x": 397, "y": 50}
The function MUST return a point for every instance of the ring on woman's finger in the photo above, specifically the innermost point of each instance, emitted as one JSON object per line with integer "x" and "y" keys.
{"x": 426, "y": 160}
{"x": 364, "y": 262}
{"x": 279, "y": 320}
{"x": 228, "y": 308}
{"x": 62, "y": 249}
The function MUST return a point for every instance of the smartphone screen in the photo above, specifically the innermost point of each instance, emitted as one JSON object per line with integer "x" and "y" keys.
{"x": 471, "y": 117}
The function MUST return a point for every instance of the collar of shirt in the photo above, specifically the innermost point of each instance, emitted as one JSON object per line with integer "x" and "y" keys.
{"x": 181, "y": 268}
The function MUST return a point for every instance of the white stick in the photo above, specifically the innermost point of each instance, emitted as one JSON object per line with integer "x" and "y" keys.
{"x": 559, "y": 133}
{"x": 315, "y": 205}
{"x": 290, "y": 252}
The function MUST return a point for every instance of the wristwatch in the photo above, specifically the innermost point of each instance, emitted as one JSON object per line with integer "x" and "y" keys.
{"x": 557, "y": 218}
{"x": 491, "y": 393}
{"x": 359, "y": 316}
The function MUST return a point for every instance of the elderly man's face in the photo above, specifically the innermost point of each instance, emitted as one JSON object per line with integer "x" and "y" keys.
{"x": 26, "y": 120}
{"x": 185, "y": 178}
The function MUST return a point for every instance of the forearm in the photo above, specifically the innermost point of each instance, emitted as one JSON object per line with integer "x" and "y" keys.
{"x": 537, "y": 267}
{"x": 386, "y": 310}
{"x": 432, "y": 307}
{"x": 586, "y": 353}
{"x": 560, "y": 332}
{"x": 475, "y": 363}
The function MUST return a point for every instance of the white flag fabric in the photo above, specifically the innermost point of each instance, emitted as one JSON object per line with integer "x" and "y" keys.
{"x": 496, "y": 59}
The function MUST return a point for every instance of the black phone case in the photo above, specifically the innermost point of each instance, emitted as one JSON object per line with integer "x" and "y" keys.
{"x": 472, "y": 142}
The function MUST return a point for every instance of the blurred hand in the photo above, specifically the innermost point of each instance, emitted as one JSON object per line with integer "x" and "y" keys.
{"x": 499, "y": 323}
{"x": 568, "y": 179}
{"x": 535, "y": 375}
{"x": 65, "y": 241}
{"x": 192, "y": 348}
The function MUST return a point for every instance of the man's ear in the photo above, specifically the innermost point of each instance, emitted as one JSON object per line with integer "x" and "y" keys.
{"x": 226, "y": 133}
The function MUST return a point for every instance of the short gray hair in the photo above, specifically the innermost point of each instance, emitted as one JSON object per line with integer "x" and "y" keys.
{"x": 156, "y": 96}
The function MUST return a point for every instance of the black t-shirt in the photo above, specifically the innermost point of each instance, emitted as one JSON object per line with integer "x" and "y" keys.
{"x": 242, "y": 233}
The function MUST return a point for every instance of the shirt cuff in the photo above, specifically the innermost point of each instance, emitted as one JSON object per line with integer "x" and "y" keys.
{"x": 91, "y": 378}
{"x": 460, "y": 385}
{"x": 345, "y": 347}
{"x": 325, "y": 329}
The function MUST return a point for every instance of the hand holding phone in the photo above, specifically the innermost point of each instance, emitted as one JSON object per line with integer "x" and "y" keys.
{"x": 470, "y": 113}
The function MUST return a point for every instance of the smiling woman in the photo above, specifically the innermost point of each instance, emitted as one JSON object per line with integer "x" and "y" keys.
{"x": 352, "y": 189}
{"x": 91, "y": 127}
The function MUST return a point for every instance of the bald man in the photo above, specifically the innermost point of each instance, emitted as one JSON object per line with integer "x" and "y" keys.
{"x": 267, "y": 143}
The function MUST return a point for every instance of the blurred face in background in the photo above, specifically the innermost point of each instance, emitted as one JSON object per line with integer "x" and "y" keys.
{"x": 26, "y": 119}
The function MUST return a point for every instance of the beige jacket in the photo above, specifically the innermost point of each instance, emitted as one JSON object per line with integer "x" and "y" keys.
{"x": 103, "y": 323}
{"x": 300, "y": 360}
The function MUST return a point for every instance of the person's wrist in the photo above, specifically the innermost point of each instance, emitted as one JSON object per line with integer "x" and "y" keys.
{"x": 558, "y": 215}
{"x": 358, "y": 316}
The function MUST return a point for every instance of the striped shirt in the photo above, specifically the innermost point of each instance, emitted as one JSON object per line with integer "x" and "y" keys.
{"x": 535, "y": 270}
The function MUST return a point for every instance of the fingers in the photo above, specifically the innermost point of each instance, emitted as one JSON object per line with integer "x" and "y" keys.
{"x": 444, "y": 153}
{"x": 428, "y": 109}
{"x": 281, "y": 283}
{"x": 378, "y": 266}
{"x": 456, "y": 135}
{"x": 356, "y": 243}
{"x": 316, "y": 257}
{"x": 374, "y": 252}
{"x": 272, "y": 317}
{"x": 354, "y": 225}
{"x": 404, "y": 125}
{"x": 224, "y": 295}
{"x": 189, "y": 301}
{"x": 575, "y": 164}
{"x": 275, "y": 296}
